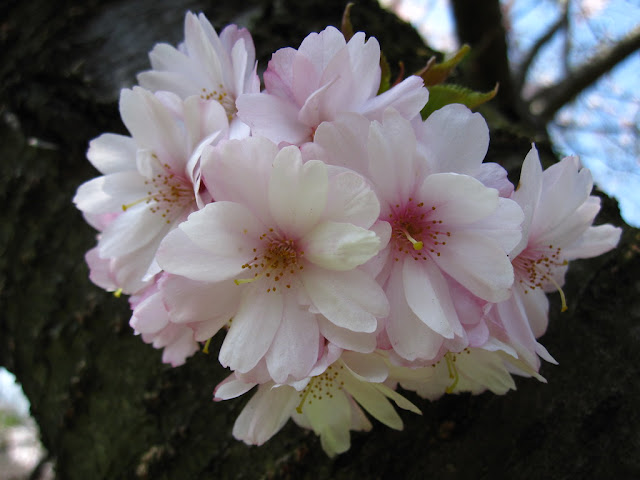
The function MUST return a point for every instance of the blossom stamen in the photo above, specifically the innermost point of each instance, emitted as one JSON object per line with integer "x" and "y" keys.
{"x": 417, "y": 245}
{"x": 278, "y": 261}
{"x": 242, "y": 281}
{"x": 221, "y": 96}
{"x": 322, "y": 385}
{"x": 563, "y": 299}
{"x": 166, "y": 193}
{"x": 453, "y": 371}
{"x": 415, "y": 223}
{"x": 534, "y": 268}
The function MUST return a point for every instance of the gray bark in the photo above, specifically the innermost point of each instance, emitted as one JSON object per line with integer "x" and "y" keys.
{"x": 106, "y": 406}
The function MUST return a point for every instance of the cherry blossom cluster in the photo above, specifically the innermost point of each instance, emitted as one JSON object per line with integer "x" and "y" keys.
{"x": 343, "y": 244}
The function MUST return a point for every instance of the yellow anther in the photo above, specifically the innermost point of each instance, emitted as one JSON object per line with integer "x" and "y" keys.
{"x": 117, "y": 293}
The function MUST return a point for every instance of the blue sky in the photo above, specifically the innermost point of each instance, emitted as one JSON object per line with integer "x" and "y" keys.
{"x": 602, "y": 124}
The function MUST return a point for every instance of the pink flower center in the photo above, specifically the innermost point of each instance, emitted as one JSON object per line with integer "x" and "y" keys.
{"x": 223, "y": 98}
{"x": 276, "y": 264}
{"x": 168, "y": 194}
{"x": 416, "y": 231}
{"x": 535, "y": 267}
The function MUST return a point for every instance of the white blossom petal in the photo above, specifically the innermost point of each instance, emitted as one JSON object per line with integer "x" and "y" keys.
{"x": 111, "y": 153}
{"x": 455, "y": 139}
{"x": 409, "y": 336}
{"x": 459, "y": 199}
{"x": 350, "y": 299}
{"x": 339, "y": 246}
{"x": 179, "y": 255}
{"x": 428, "y": 296}
{"x": 347, "y": 339}
{"x": 265, "y": 414}
{"x": 297, "y": 192}
{"x": 294, "y": 350}
{"x": 253, "y": 329}
{"x": 131, "y": 230}
{"x": 231, "y": 387}
{"x": 374, "y": 402}
{"x": 478, "y": 263}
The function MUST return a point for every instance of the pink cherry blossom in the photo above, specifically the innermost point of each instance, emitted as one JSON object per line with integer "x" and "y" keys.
{"x": 330, "y": 402}
{"x": 442, "y": 224}
{"x": 150, "y": 182}
{"x": 290, "y": 238}
{"x": 150, "y": 319}
{"x": 471, "y": 370}
{"x": 559, "y": 212}
{"x": 213, "y": 67}
{"x": 324, "y": 77}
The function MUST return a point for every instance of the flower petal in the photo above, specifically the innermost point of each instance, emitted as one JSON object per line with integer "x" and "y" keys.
{"x": 331, "y": 419}
{"x": 179, "y": 255}
{"x": 265, "y": 414}
{"x": 149, "y": 316}
{"x": 393, "y": 165}
{"x": 565, "y": 186}
{"x": 111, "y": 153}
{"x": 407, "y": 98}
{"x": 297, "y": 192}
{"x": 192, "y": 301}
{"x": 347, "y": 339}
{"x": 428, "y": 296}
{"x": 111, "y": 193}
{"x": 478, "y": 263}
{"x": 409, "y": 336}
{"x": 231, "y": 387}
{"x": 345, "y": 141}
{"x": 131, "y": 230}
{"x": 366, "y": 368}
{"x": 239, "y": 171}
{"x": 349, "y": 299}
{"x": 351, "y": 200}
{"x": 272, "y": 117}
{"x": 228, "y": 230}
{"x": 373, "y": 402}
{"x": 455, "y": 139}
{"x": 339, "y": 246}
{"x": 595, "y": 241}
{"x": 459, "y": 199}
{"x": 252, "y": 330}
{"x": 294, "y": 350}
{"x": 153, "y": 127}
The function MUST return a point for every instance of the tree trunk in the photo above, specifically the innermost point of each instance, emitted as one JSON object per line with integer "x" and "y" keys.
{"x": 106, "y": 406}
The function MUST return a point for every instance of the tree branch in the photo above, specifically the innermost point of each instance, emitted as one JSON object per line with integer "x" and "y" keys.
{"x": 521, "y": 74}
{"x": 547, "y": 101}
{"x": 480, "y": 25}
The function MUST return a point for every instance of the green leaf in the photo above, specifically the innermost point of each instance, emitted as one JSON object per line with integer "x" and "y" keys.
{"x": 436, "y": 73}
{"x": 441, "y": 95}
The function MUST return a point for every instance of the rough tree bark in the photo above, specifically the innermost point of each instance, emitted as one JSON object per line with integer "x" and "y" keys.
{"x": 106, "y": 406}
